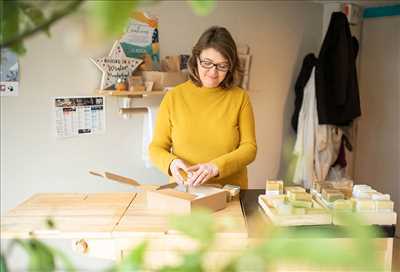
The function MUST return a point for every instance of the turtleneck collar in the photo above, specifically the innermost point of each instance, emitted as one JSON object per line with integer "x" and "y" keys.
{"x": 205, "y": 89}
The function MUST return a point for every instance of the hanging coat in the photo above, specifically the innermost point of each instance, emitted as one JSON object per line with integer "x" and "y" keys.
{"x": 317, "y": 146}
{"x": 338, "y": 101}
{"x": 305, "y": 72}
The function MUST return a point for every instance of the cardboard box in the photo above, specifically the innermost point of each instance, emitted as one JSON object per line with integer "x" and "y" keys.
{"x": 169, "y": 199}
{"x": 173, "y": 201}
{"x": 164, "y": 80}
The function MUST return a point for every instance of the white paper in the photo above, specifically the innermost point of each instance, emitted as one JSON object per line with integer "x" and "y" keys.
{"x": 79, "y": 115}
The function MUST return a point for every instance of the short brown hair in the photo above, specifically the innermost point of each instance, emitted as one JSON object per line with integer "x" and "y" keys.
{"x": 221, "y": 40}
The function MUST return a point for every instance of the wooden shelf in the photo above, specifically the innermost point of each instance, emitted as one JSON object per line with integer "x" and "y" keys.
{"x": 130, "y": 94}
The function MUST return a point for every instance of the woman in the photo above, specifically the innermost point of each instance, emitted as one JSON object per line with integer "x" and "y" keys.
{"x": 205, "y": 126}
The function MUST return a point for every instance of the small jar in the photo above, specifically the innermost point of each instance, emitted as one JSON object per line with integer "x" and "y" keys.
{"x": 121, "y": 84}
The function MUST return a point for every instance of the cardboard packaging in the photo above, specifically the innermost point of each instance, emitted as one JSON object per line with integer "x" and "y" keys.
{"x": 168, "y": 198}
{"x": 164, "y": 80}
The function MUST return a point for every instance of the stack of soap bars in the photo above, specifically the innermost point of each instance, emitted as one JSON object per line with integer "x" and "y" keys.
{"x": 342, "y": 195}
{"x": 369, "y": 200}
{"x": 295, "y": 201}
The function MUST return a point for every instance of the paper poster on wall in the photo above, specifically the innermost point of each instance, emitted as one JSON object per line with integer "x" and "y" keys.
{"x": 9, "y": 73}
{"x": 141, "y": 40}
{"x": 79, "y": 115}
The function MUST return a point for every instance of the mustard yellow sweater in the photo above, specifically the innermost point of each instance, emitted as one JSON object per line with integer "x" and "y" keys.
{"x": 200, "y": 125}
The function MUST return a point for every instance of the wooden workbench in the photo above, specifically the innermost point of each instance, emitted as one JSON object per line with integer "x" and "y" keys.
{"x": 107, "y": 225}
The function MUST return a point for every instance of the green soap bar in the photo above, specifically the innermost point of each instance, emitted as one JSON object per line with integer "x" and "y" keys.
{"x": 299, "y": 211}
{"x": 301, "y": 204}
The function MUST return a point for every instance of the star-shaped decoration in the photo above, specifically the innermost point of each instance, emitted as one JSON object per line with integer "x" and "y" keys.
{"x": 115, "y": 65}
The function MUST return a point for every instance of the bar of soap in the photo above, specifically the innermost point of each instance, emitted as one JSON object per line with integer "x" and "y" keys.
{"x": 359, "y": 190}
{"x": 275, "y": 201}
{"x": 364, "y": 194}
{"x": 361, "y": 187}
{"x": 298, "y": 211}
{"x": 384, "y": 205}
{"x": 365, "y": 205}
{"x": 343, "y": 204}
{"x": 294, "y": 189}
{"x": 272, "y": 193}
{"x": 284, "y": 209}
{"x": 342, "y": 184}
{"x": 320, "y": 185}
{"x": 331, "y": 195}
{"x": 380, "y": 196}
{"x": 233, "y": 190}
{"x": 274, "y": 185}
{"x": 301, "y": 203}
{"x": 300, "y": 196}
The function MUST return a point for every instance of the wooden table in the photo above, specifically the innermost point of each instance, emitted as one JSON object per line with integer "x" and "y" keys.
{"x": 107, "y": 225}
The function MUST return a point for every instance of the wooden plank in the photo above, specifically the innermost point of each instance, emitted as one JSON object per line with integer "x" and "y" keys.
{"x": 139, "y": 220}
{"x": 74, "y": 215}
{"x": 69, "y": 205}
{"x": 322, "y": 218}
{"x": 131, "y": 94}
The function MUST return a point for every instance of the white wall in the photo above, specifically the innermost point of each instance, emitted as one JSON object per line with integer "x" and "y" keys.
{"x": 33, "y": 160}
{"x": 378, "y": 149}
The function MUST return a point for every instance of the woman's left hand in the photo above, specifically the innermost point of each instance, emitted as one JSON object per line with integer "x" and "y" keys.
{"x": 201, "y": 173}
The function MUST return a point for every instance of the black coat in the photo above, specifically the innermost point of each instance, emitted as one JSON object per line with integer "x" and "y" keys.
{"x": 336, "y": 84}
{"x": 308, "y": 64}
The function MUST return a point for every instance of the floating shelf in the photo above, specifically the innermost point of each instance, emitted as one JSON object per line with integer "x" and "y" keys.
{"x": 130, "y": 94}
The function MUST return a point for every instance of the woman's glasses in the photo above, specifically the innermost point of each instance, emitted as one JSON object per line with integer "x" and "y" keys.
{"x": 207, "y": 64}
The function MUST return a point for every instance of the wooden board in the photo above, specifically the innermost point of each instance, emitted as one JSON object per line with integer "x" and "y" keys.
{"x": 323, "y": 218}
{"x": 74, "y": 215}
{"x": 139, "y": 220}
{"x": 369, "y": 218}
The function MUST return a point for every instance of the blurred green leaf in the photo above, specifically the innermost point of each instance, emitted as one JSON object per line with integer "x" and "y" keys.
{"x": 199, "y": 225}
{"x": 9, "y": 25}
{"x": 191, "y": 262}
{"x": 134, "y": 261}
{"x": 42, "y": 257}
{"x": 34, "y": 14}
{"x": 67, "y": 264}
{"x": 111, "y": 16}
{"x": 3, "y": 264}
{"x": 202, "y": 7}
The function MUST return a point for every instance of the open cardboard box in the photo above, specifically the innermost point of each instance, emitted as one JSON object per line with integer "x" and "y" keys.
{"x": 163, "y": 80}
{"x": 168, "y": 198}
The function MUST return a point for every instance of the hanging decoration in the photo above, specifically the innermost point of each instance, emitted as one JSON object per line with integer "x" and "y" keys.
{"x": 115, "y": 67}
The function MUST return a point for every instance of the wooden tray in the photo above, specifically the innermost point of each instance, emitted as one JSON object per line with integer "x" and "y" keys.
{"x": 323, "y": 218}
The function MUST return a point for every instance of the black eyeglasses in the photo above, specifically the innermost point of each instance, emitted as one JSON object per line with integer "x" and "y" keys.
{"x": 207, "y": 64}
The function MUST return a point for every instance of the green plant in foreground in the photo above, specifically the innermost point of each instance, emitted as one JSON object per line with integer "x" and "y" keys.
{"x": 310, "y": 246}
{"x": 21, "y": 19}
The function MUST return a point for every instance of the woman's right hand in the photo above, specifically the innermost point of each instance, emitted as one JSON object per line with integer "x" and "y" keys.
{"x": 176, "y": 166}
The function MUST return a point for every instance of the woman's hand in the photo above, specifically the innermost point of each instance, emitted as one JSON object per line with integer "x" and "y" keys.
{"x": 176, "y": 167}
{"x": 201, "y": 173}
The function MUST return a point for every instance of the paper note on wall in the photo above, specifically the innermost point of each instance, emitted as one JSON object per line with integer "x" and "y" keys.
{"x": 141, "y": 40}
{"x": 79, "y": 115}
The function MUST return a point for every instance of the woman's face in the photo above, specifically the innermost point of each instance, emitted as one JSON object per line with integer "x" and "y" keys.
{"x": 212, "y": 67}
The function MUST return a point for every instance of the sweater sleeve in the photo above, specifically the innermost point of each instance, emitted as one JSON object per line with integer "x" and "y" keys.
{"x": 236, "y": 160}
{"x": 160, "y": 146}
